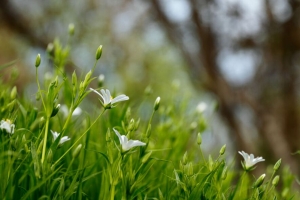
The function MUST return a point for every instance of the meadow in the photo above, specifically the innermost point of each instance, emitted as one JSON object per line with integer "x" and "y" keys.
{"x": 55, "y": 148}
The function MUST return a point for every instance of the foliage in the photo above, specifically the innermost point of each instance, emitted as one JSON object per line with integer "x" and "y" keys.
{"x": 168, "y": 163}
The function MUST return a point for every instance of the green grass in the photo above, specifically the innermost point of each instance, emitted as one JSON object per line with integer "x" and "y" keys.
{"x": 92, "y": 164}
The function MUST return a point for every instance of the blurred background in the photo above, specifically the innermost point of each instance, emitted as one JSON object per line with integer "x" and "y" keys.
{"x": 241, "y": 55}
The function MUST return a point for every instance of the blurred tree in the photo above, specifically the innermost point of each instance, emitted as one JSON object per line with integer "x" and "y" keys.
{"x": 245, "y": 53}
{"x": 271, "y": 94}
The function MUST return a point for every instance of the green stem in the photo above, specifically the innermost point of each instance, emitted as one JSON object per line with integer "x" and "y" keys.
{"x": 68, "y": 119}
{"x": 268, "y": 185}
{"x": 242, "y": 180}
{"x": 93, "y": 69}
{"x": 45, "y": 140}
{"x": 79, "y": 138}
{"x": 112, "y": 192}
{"x": 39, "y": 87}
{"x": 203, "y": 157}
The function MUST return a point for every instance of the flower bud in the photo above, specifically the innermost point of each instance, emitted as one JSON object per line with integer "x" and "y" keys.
{"x": 275, "y": 180}
{"x": 224, "y": 173}
{"x": 223, "y": 149}
{"x": 259, "y": 181}
{"x": 199, "y": 139}
{"x": 71, "y": 29}
{"x": 131, "y": 125}
{"x": 42, "y": 121}
{"x": 185, "y": 159}
{"x": 277, "y": 165}
{"x": 210, "y": 163}
{"x": 146, "y": 157}
{"x": 13, "y": 93}
{"x": 87, "y": 78}
{"x": 137, "y": 124}
{"x": 156, "y": 104}
{"x": 148, "y": 90}
{"x": 99, "y": 52}
{"x": 190, "y": 170}
{"x": 77, "y": 151}
{"x": 101, "y": 78}
{"x": 55, "y": 110}
{"x": 38, "y": 60}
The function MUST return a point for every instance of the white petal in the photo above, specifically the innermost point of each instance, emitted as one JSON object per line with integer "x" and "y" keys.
{"x": 119, "y": 98}
{"x": 135, "y": 143}
{"x": 77, "y": 111}
{"x": 106, "y": 96}
{"x": 64, "y": 139}
{"x": 98, "y": 93}
{"x": 119, "y": 136}
{"x": 54, "y": 134}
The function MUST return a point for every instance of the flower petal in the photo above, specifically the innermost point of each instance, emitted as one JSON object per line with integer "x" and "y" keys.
{"x": 98, "y": 93}
{"x": 119, "y": 98}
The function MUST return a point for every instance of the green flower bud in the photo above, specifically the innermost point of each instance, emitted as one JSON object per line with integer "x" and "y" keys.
{"x": 223, "y": 149}
{"x": 131, "y": 125}
{"x": 275, "y": 181}
{"x": 38, "y": 60}
{"x": 13, "y": 93}
{"x": 77, "y": 151}
{"x": 42, "y": 121}
{"x": 74, "y": 79}
{"x": 185, "y": 159}
{"x": 190, "y": 169}
{"x": 71, "y": 29}
{"x": 55, "y": 110}
{"x": 277, "y": 165}
{"x": 137, "y": 124}
{"x": 156, "y": 104}
{"x": 146, "y": 157}
{"x": 87, "y": 78}
{"x": 210, "y": 163}
{"x": 99, "y": 52}
{"x": 259, "y": 181}
{"x": 148, "y": 91}
{"x": 224, "y": 173}
{"x": 199, "y": 139}
{"x": 285, "y": 192}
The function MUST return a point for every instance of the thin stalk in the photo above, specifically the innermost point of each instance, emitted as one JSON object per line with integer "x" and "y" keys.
{"x": 39, "y": 87}
{"x": 201, "y": 153}
{"x": 94, "y": 67}
{"x": 68, "y": 118}
{"x": 45, "y": 139}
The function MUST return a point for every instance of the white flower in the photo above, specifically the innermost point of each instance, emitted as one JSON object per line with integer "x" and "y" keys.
{"x": 65, "y": 110}
{"x": 201, "y": 107}
{"x": 107, "y": 100}
{"x": 126, "y": 145}
{"x": 249, "y": 160}
{"x": 62, "y": 140}
{"x": 8, "y": 126}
